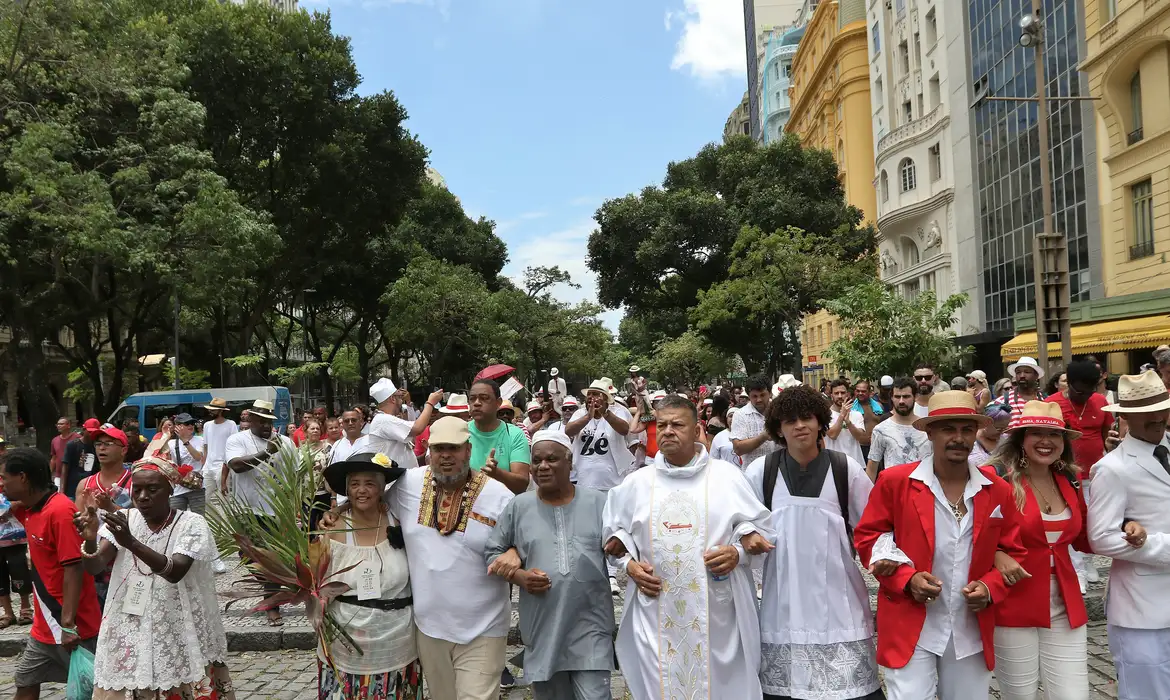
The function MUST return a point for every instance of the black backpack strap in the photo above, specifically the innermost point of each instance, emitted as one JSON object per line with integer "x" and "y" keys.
{"x": 840, "y": 468}
{"x": 771, "y": 472}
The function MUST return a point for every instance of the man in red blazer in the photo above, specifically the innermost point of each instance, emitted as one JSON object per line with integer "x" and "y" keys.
{"x": 930, "y": 533}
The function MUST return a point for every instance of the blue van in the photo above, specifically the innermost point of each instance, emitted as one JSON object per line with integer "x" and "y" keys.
{"x": 151, "y": 406}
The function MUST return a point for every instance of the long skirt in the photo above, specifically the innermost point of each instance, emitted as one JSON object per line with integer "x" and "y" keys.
{"x": 217, "y": 685}
{"x": 403, "y": 684}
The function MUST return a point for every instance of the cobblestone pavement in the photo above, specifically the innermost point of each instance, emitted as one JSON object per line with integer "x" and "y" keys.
{"x": 292, "y": 675}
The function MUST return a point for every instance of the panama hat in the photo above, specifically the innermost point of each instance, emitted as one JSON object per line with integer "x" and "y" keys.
{"x": 635, "y": 368}
{"x": 553, "y": 372}
{"x": 337, "y": 474}
{"x": 977, "y": 375}
{"x": 449, "y": 430}
{"x": 533, "y": 406}
{"x": 1042, "y": 414}
{"x": 217, "y": 405}
{"x": 262, "y": 409}
{"x": 952, "y": 405}
{"x": 1140, "y": 393}
{"x": 601, "y": 386}
{"x": 571, "y": 401}
{"x": 1026, "y": 362}
{"x": 786, "y": 381}
{"x": 456, "y": 403}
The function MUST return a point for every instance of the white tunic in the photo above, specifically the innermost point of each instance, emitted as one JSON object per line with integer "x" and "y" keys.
{"x": 391, "y": 436}
{"x": 700, "y": 638}
{"x": 815, "y": 621}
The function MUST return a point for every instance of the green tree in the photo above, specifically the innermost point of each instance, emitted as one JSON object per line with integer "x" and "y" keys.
{"x": 689, "y": 360}
{"x": 775, "y": 278}
{"x": 883, "y": 332}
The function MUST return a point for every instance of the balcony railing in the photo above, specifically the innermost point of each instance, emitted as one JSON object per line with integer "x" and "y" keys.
{"x": 1133, "y": 137}
{"x": 910, "y": 129}
{"x": 1141, "y": 250}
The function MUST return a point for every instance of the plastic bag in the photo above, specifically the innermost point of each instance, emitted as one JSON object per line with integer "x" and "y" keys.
{"x": 80, "y": 685}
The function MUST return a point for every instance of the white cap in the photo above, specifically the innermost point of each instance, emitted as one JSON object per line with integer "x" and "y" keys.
{"x": 552, "y": 436}
{"x": 886, "y": 380}
{"x": 382, "y": 390}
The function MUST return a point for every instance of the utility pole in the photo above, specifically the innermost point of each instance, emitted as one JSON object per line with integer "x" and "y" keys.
{"x": 1049, "y": 246}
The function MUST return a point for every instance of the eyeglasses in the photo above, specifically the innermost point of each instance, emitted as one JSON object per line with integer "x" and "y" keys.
{"x": 107, "y": 443}
{"x": 923, "y": 377}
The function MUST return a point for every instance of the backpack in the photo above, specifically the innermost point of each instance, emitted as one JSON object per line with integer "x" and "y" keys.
{"x": 838, "y": 467}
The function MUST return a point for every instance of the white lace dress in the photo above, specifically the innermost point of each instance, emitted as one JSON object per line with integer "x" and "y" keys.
{"x": 181, "y": 632}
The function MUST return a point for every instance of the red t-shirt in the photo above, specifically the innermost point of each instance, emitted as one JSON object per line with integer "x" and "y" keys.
{"x": 57, "y": 447}
{"x": 419, "y": 449}
{"x": 53, "y": 543}
{"x": 1091, "y": 420}
{"x": 298, "y": 436}
{"x": 651, "y": 440}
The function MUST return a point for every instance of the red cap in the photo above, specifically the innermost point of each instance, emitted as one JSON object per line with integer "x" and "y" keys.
{"x": 92, "y": 425}
{"x": 111, "y": 432}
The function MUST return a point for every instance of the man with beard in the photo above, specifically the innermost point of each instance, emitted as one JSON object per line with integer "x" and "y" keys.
{"x": 250, "y": 454}
{"x": 394, "y": 436}
{"x": 930, "y": 533}
{"x": 1133, "y": 483}
{"x": 683, "y": 527}
{"x": 896, "y": 441}
{"x": 1026, "y": 376}
{"x": 447, "y": 511}
{"x": 846, "y": 433}
{"x": 924, "y": 379}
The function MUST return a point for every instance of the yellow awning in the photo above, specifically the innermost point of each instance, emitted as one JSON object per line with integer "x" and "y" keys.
{"x": 1102, "y": 337}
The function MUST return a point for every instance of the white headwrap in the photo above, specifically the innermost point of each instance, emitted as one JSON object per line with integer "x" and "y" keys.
{"x": 552, "y": 436}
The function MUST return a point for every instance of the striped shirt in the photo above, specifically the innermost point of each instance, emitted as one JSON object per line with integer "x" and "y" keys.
{"x": 1017, "y": 402}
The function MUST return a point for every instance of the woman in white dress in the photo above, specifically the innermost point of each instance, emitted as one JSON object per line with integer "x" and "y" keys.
{"x": 162, "y": 636}
{"x": 377, "y": 611}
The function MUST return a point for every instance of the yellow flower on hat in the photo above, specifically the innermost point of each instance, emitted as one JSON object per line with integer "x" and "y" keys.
{"x": 381, "y": 460}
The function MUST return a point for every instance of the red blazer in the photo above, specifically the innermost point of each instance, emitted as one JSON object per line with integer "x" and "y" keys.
{"x": 1028, "y": 605}
{"x": 905, "y": 507}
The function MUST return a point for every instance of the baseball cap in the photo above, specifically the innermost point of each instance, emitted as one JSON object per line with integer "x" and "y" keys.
{"x": 92, "y": 425}
{"x": 111, "y": 432}
{"x": 886, "y": 380}
{"x": 184, "y": 419}
{"x": 449, "y": 430}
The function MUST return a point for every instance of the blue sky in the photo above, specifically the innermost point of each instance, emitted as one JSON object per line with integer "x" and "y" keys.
{"x": 535, "y": 111}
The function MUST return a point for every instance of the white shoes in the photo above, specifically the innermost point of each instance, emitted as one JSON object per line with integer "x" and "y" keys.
{"x": 219, "y": 567}
{"x": 614, "y": 588}
{"x": 1091, "y": 574}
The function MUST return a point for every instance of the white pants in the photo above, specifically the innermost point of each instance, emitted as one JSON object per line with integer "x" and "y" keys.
{"x": 1142, "y": 659}
{"x": 927, "y": 675}
{"x": 1056, "y": 657}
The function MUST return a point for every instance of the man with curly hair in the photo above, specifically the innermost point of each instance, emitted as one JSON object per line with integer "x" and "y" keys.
{"x": 815, "y": 625}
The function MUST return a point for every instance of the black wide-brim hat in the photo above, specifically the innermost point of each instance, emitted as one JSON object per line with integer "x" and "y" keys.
{"x": 337, "y": 474}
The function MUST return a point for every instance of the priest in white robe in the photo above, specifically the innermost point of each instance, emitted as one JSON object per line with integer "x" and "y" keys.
{"x": 685, "y": 531}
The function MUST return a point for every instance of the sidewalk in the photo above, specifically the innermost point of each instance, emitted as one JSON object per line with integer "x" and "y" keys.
{"x": 248, "y": 631}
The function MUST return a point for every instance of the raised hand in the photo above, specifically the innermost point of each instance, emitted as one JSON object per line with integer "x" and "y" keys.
{"x": 87, "y": 523}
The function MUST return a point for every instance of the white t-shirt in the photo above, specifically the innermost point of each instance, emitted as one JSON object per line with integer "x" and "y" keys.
{"x": 250, "y": 486}
{"x": 390, "y": 435}
{"x": 893, "y": 444}
{"x": 186, "y": 459}
{"x": 845, "y": 442}
{"x": 921, "y": 411}
{"x": 601, "y": 455}
{"x": 721, "y": 448}
{"x": 216, "y": 435}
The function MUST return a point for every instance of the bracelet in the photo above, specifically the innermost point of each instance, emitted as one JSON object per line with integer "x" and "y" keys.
{"x": 90, "y": 555}
{"x": 168, "y": 568}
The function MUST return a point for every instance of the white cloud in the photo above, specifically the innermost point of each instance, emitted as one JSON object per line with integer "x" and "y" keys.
{"x": 711, "y": 45}
{"x": 567, "y": 249}
{"x": 508, "y": 224}
{"x": 582, "y": 201}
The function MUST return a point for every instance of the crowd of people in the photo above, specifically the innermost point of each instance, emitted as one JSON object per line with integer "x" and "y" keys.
{"x": 743, "y": 519}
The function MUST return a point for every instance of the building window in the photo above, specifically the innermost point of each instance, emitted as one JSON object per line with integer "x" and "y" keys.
{"x": 935, "y": 152}
{"x": 934, "y": 91}
{"x": 877, "y": 90}
{"x": 901, "y": 6}
{"x": 910, "y": 289}
{"x": 1108, "y": 10}
{"x": 910, "y": 256}
{"x": 907, "y": 112}
{"x": 885, "y": 187}
{"x": 746, "y": 128}
{"x": 840, "y": 111}
{"x": 1142, "y": 195}
{"x": 877, "y": 40}
{"x": 1135, "y": 106}
{"x": 788, "y": 70}
{"x": 909, "y": 176}
{"x": 904, "y": 58}
{"x": 931, "y": 27}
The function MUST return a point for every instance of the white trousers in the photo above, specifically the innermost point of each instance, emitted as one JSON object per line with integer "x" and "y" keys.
{"x": 1142, "y": 659}
{"x": 1056, "y": 657}
{"x": 927, "y": 675}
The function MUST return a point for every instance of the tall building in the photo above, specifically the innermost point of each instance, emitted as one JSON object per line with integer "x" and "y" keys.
{"x": 1003, "y": 199}
{"x": 830, "y": 89}
{"x": 913, "y": 159}
{"x": 759, "y": 16}
{"x": 780, "y": 46}
{"x": 1127, "y": 64}
{"x": 739, "y": 121}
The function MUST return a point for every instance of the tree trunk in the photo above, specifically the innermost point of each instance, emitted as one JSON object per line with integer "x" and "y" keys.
{"x": 34, "y": 388}
{"x": 362, "y": 390}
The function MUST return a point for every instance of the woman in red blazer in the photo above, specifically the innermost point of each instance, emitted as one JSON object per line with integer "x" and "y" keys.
{"x": 1040, "y": 628}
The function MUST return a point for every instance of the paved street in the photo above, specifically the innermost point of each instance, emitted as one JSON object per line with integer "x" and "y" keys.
{"x": 289, "y": 675}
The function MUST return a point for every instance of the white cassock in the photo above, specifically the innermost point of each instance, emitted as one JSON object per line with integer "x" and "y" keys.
{"x": 700, "y": 638}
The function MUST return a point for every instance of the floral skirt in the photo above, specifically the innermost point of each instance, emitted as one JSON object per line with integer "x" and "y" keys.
{"x": 403, "y": 684}
{"x": 216, "y": 685}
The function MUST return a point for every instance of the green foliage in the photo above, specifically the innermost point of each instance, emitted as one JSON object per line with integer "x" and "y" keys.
{"x": 291, "y": 375}
{"x": 882, "y": 332}
{"x": 244, "y": 361}
{"x": 688, "y": 360}
{"x": 80, "y": 389}
{"x": 188, "y": 378}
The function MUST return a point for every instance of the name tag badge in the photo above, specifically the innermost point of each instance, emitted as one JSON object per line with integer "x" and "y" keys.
{"x": 137, "y": 594}
{"x": 368, "y": 580}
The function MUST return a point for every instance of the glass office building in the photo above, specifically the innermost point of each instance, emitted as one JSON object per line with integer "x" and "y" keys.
{"x": 1006, "y": 146}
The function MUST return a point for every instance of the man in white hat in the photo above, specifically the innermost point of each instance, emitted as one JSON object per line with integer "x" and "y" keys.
{"x": 447, "y": 511}
{"x": 683, "y": 528}
{"x": 557, "y": 389}
{"x": 391, "y": 435}
{"x": 536, "y": 415}
{"x": 635, "y": 388}
{"x": 557, "y": 420}
{"x": 930, "y": 533}
{"x": 1132, "y": 482}
{"x": 566, "y": 612}
{"x": 1026, "y": 375}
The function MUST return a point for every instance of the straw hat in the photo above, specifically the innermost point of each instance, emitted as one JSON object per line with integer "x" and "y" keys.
{"x": 506, "y": 405}
{"x": 217, "y": 405}
{"x": 1140, "y": 393}
{"x": 1042, "y": 414}
{"x": 601, "y": 386}
{"x": 262, "y": 409}
{"x": 952, "y": 405}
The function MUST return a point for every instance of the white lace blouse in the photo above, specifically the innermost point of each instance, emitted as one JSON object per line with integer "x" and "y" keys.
{"x": 181, "y": 631}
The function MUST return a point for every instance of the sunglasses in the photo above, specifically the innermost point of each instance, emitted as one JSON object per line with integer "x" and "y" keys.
{"x": 923, "y": 377}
